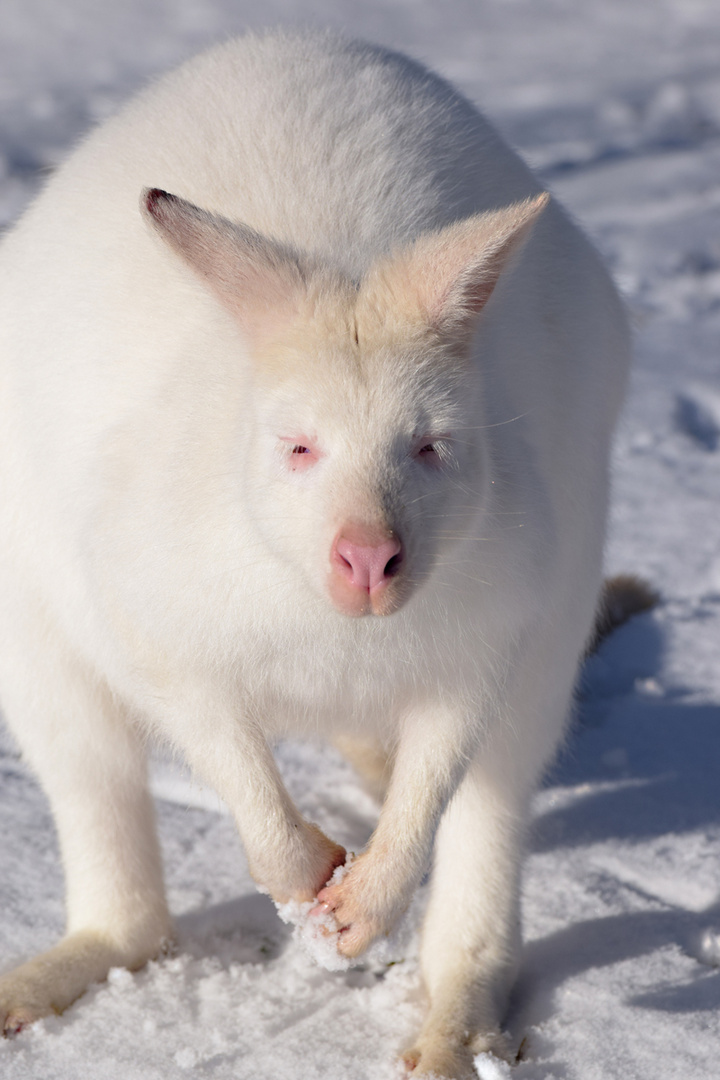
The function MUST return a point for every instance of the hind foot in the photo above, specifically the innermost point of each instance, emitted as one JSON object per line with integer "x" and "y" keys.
{"x": 442, "y": 1057}
{"x": 50, "y": 982}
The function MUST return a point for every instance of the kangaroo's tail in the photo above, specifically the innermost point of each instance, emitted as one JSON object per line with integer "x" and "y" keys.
{"x": 621, "y": 597}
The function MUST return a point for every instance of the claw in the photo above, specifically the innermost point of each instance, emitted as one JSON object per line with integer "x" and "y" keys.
{"x": 15, "y": 1023}
{"x": 325, "y": 897}
{"x": 410, "y": 1060}
{"x": 321, "y": 909}
{"x": 322, "y": 913}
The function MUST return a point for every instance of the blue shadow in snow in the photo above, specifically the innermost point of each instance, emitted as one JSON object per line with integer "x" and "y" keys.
{"x": 658, "y": 760}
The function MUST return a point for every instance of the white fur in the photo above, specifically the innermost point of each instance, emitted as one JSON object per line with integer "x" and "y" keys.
{"x": 163, "y": 569}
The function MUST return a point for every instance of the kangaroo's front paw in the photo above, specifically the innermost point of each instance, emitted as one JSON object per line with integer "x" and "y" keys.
{"x": 361, "y": 907}
{"x": 301, "y": 869}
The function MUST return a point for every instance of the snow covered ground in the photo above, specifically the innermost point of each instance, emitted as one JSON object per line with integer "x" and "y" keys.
{"x": 617, "y": 103}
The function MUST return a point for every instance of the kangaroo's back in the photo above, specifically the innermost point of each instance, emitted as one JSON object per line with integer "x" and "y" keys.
{"x": 338, "y": 147}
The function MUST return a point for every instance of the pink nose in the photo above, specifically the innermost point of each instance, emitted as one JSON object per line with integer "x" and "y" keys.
{"x": 366, "y": 558}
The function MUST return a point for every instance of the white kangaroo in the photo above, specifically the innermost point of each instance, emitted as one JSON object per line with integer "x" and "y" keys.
{"x": 306, "y": 397}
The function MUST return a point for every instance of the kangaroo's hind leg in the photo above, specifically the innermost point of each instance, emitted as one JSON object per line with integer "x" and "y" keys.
{"x": 91, "y": 764}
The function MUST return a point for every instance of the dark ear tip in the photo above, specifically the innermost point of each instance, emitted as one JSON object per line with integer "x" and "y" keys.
{"x": 151, "y": 200}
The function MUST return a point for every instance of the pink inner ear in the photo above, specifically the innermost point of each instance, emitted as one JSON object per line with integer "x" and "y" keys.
{"x": 448, "y": 276}
{"x": 457, "y": 288}
{"x": 257, "y": 279}
{"x": 483, "y": 248}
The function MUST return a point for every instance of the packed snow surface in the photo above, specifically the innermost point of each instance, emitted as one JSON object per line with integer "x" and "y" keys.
{"x": 617, "y": 104}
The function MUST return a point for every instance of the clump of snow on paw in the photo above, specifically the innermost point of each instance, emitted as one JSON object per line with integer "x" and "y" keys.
{"x": 489, "y": 1067}
{"x": 709, "y": 951}
{"x": 318, "y": 933}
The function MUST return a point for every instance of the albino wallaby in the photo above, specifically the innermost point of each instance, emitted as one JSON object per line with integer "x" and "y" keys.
{"x": 307, "y": 393}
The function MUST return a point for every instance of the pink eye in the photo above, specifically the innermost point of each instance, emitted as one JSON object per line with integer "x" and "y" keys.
{"x": 432, "y": 453}
{"x": 300, "y": 455}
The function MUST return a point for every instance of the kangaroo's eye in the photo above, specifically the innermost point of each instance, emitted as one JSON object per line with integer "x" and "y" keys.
{"x": 299, "y": 456}
{"x": 433, "y": 453}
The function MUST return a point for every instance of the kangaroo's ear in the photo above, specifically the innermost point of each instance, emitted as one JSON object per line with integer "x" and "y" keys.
{"x": 262, "y": 283}
{"x": 445, "y": 278}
